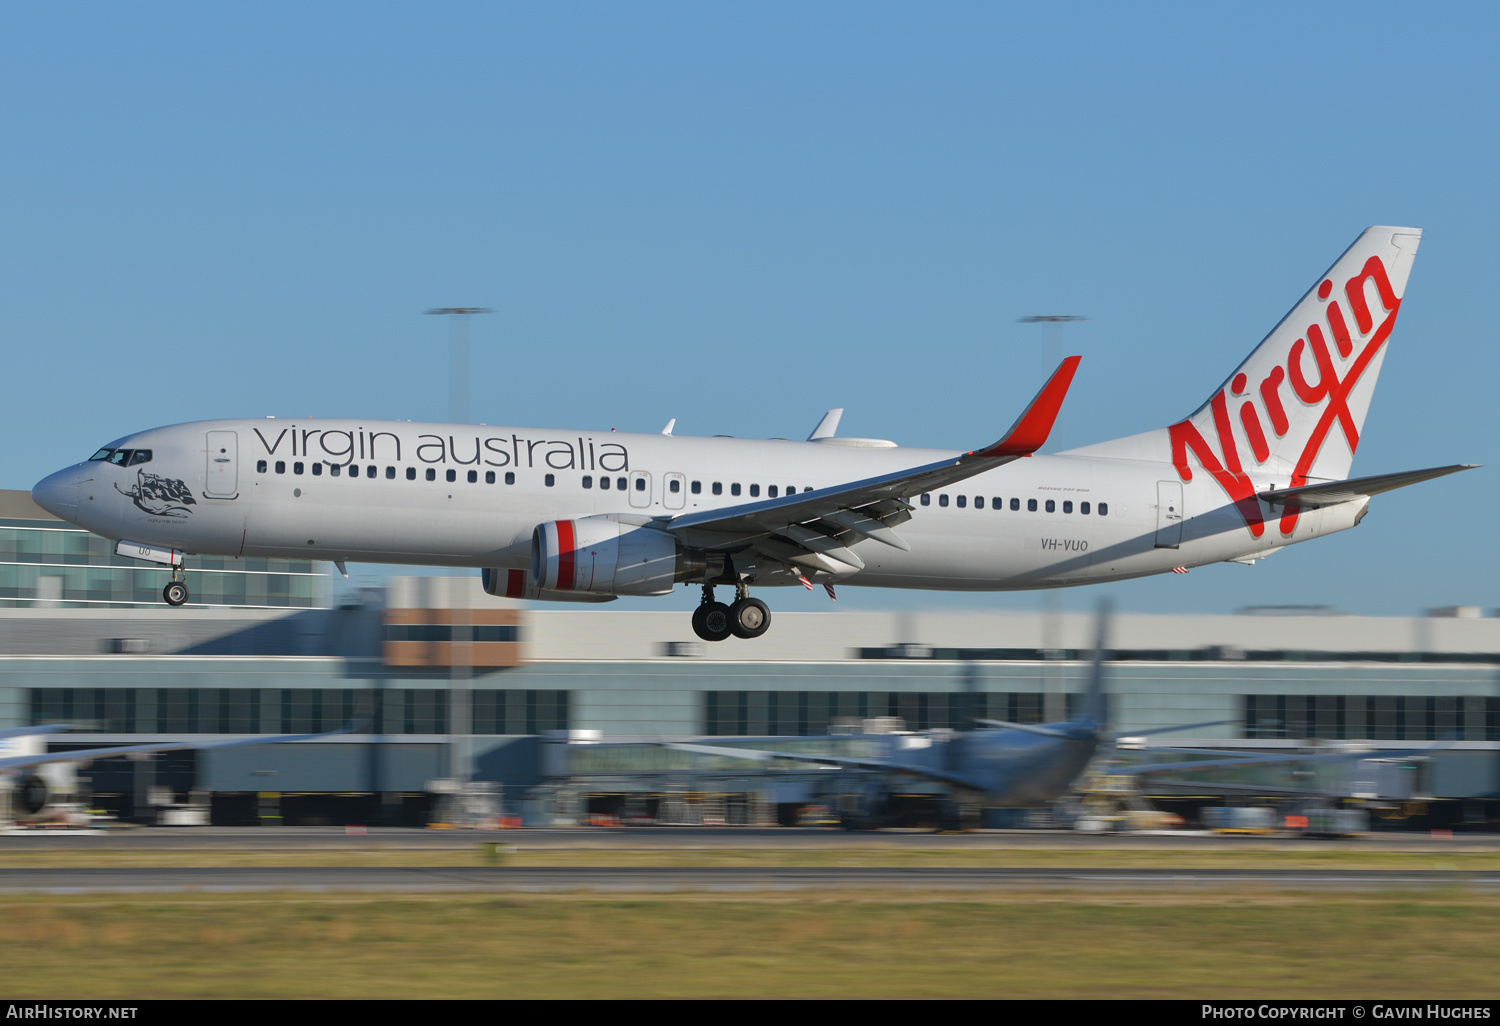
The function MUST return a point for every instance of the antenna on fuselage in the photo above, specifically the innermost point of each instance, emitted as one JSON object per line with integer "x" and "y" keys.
{"x": 828, "y": 426}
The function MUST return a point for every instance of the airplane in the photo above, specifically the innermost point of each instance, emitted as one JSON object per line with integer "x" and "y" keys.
{"x": 572, "y": 515}
{"x": 997, "y": 765}
{"x": 36, "y": 778}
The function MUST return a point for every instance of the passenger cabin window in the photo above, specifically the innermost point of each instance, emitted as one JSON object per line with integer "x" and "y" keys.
{"x": 1104, "y": 509}
{"x": 281, "y": 466}
{"x": 317, "y": 470}
{"x": 1031, "y": 505}
{"x": 550, "y": 480}
{"x": 1083, "y": 508}
{"x": 979, "y": 502}
{"x": 926, "y": 499}
{"x": 734, "y": 489}
{"x": 1015, "y": 504}
{"x": 697, "y": 488}
{"x": 640, "y": 483}
{"x": 1067, "y": 505}
{"x": 451, "y": 475}
{"x": 333, "y": 468}
{"x": 755, "y": 491}
{"x": 297, "y": 468}
{"x": 771, "y": 492}
{"x": 619, "y": 484}
{"x": 411, "y": 473}
{"x": 718, "y": 488}
{"x": 431, "y": 474}
{"x": 997, "y": 503}
{"x": 675, "y": 486}
{"x": 510, "y": 477}
{"x": 1051, "y": 506}
{"x": 390, "y": 473}
{"x": 260, "y": 466}
{"x": 943, "y": 499}
{"x": 489, "y": 477}
{"x": 962, "y": 500}
{"x": 588, "y": 480}
{"x": 604, "y": 483}
{"x": 371, "y": 471}
{"x": 473, "y": 477}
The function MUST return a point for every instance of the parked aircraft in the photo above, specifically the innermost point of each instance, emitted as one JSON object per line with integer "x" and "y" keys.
{"x": 998, "y": 765}
{"x": 571, "y": 515}
{"x": 37, "y": 778}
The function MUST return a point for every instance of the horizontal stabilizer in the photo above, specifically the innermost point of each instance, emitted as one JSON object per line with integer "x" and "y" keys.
{"x": 1331, "y": 493}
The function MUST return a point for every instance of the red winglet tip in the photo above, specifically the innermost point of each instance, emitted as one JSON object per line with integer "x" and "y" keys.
{"x": 1029, "y": 432}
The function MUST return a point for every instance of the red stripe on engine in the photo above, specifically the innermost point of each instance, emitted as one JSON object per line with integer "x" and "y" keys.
{"x": 515, "y": 584}
{"x": 565, "y": 555}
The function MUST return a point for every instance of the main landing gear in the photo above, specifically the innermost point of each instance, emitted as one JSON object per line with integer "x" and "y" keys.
{"x": 176, "y": 591}
{"x": 746, "y": 618}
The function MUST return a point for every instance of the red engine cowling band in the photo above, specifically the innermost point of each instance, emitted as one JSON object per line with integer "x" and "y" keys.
{"x": 602, "y": 556}
{"x": 519, "y": 584}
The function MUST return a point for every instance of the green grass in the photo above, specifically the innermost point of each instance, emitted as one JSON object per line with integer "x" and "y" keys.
{"x": 1246, "y": 943}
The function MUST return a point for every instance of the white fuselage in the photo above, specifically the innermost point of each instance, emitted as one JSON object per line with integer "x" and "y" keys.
{"x": 248, "y": 488}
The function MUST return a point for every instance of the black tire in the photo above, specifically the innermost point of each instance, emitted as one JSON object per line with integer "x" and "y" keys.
{"x": 175, "y": 593}
{"x": 749, "y": 618}
{"x": 711, "y": 621}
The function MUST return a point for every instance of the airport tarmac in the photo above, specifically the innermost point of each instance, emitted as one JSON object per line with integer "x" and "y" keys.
{"x": 342, "y": 839}
{"x": 712, "y": 879}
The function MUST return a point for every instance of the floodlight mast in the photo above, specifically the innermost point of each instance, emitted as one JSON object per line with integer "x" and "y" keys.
{"x": 461, "y": 657}
{"x": 1053, "y": 698}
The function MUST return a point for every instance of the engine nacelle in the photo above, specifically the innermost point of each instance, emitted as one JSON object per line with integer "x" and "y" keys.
{"x": 31, "y": 794}
{"x": 602, "y": 556}
{"x": 519, "y": 584}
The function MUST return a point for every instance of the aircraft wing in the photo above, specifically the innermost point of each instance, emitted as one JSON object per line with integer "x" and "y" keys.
{"x": 837, "y": 761}
{"x": 869, "y": 507}
{"x": 1331, "y": 493}
{"x": 86, "y": 754}
{"x": 1231, "y": 761}
{"x": 51, "y": 728}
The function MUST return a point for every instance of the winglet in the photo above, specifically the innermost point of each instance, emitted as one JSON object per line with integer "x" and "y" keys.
{"x": 1029, "y": 432}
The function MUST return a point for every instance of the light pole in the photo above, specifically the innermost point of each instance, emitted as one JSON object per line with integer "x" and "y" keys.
{"x": 1053, "y": 702}
{"x": 460, "y": 662}
{"x": 458, "y": 358}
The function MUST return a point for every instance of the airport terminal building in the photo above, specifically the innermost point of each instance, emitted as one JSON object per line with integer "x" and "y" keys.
{"x": 449, "y": 683}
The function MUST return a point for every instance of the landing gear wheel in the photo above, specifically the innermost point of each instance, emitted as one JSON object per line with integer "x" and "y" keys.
{"x": 175, "y": 593}
{"x": 749, "y": 618}
{"x": 711, "y": 621}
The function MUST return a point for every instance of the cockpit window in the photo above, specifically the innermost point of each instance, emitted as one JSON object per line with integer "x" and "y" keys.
{"x": 122, "y": 457}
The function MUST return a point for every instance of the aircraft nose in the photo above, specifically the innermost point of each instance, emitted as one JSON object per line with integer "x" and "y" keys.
{"x": 58, "y": 494}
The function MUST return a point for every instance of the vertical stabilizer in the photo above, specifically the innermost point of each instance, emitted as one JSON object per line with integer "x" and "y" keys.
{"x": 1292, "y": 412}
{"x": 1092, "y": 710}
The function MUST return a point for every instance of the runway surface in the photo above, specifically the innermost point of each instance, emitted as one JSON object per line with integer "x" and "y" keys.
{"x": 718, "y": 879}
{"x": 282, "y": 839}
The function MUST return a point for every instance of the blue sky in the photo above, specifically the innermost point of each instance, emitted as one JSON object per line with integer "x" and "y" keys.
{"x": 742, "y": 215}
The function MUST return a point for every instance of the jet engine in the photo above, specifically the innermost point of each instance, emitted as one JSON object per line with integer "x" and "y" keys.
{"x": 603, "y": 556}
{"x": 519, "y": 584}
{"x": 31, "y": 794}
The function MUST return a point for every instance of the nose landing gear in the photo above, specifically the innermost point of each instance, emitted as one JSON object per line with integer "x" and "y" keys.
{"x": 176, "y": 591}
{"x": 746, "y": 618}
